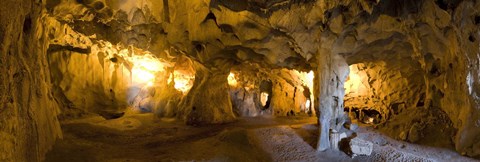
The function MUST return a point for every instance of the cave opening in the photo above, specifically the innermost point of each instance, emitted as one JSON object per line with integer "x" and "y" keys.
{"x": 265, "y": 91}
{"x": 252, "y": 80}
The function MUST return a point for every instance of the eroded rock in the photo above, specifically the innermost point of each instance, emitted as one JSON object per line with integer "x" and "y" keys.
{"x": 360, "y": 147}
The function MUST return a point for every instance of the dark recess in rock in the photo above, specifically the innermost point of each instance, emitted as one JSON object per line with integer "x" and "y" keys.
{"x": 52, "y": 3}
{"x": 448, "y": 5}
{"x": 226, "y": 28}
{"x": 471, "y": 38}
{"x": 421, "y": 101}
{"x": 199, "y": 47}
{"x": 98, "y": 5}
{"x": 27, "y": 25}
{"x": 398, "y": 8}
{"x": 114, "y": 59}
{"x": 56, "y": 48}
{"x": 210, "y": 16}
{"x": 234, "y": 5}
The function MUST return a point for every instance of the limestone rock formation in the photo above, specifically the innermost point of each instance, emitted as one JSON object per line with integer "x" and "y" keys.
{"x": 208, "y": 101}
{"x": 414, "y": 65}
{"x": 28, "y": 109}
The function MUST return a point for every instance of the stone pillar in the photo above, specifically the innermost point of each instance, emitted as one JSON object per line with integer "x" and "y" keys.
{"x": 331, "y": 74}
{"x": 208, "y": 102}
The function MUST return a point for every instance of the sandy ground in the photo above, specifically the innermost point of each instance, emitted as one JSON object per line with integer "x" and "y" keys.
{"x": 143, "y": 137}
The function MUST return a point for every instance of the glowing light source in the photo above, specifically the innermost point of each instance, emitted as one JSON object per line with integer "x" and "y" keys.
{"x": 183, "y": 81}
{"x": 232, "y": 81}
{"x": 264, "y": 98}
{"x": 145, "y": 69}
{"x": 307, "y": 105}
{"x": 144, "y": 65}
{"x": 354, "y": 85}
{"x": 307, "y": 80}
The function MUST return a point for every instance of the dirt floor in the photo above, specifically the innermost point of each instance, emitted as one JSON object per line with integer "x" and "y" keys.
{"x": 142, "y": 137}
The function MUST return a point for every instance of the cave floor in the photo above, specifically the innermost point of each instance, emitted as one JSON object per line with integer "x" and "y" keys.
{"x": 142, "y": 137}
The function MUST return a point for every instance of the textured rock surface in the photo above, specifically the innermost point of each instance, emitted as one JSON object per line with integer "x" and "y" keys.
{"x": 287, "y": 91}
{"x": 28, "y": 111}
{"x": 442, "y": 47}
{"x": 378, "y": 87}
{"x": 332, "y": 73}
{"x": 102, "y": 88}
{"x": 360, "y": 147}
{"x": 208, "y": 101}
{"x": 407, "y": 49}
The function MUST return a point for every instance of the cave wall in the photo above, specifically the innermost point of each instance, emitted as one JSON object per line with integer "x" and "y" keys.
{"x": 28, "y": 110}
{"x": 101, "y": 88}
{"x": 385, "y": 89}
{"x": 288, "y": 97}
{"x": 246, "y": 103}
{"x": 245, "y": 93}
{"x": 376, "y": 88}
{"x": 110, "y": 86}
{"x": 441, "y": 41}
{"x": 287, "y": 92}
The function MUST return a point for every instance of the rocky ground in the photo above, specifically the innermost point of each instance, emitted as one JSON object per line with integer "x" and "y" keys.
{"x": 142, "y": 137}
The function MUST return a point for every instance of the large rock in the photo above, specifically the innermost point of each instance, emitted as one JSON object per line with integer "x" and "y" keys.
{"x": 360, "y": 147}
{"x": 208, "y": 102}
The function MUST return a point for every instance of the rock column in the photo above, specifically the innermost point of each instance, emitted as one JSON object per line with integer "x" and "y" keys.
{"x": 208, "y": 102}
{"x": 331, "y": 73}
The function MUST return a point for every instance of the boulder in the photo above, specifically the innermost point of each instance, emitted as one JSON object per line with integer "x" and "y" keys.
{"x": 360, "y": 147}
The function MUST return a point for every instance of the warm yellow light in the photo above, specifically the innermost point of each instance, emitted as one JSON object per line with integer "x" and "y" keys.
{"x": 263, "y": 98}
{"x": 170, "y": 78}
{"x": 144, "y": 65}
{"x": 141, "y": 76}
{"x": 354, "y": 81}
{"x": 183, "y": 81}
{"x": 307, "y": 106}
{"x": 307, "y": 80}
{"x": 145, "y": 68}
{"x": 232, "y": 81}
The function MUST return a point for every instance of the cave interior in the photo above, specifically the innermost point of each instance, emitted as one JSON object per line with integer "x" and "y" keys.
{"x": 240, "y": 80}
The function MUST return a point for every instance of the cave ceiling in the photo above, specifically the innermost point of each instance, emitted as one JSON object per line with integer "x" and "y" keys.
{"x": 275, "y": 33}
